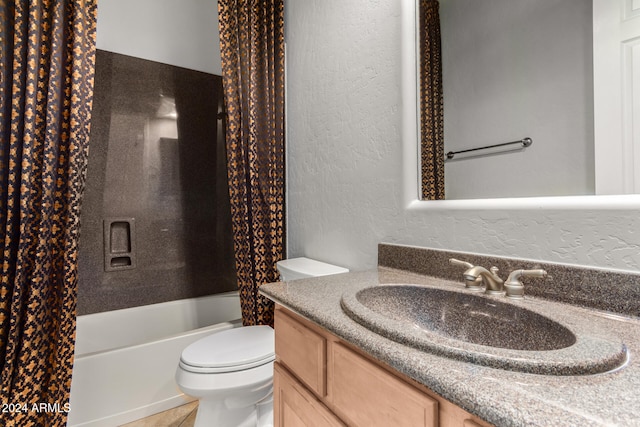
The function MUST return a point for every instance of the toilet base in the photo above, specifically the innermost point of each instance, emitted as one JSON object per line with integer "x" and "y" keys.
{"x": 264, "y": 412}
{"x": 215, "y": 412}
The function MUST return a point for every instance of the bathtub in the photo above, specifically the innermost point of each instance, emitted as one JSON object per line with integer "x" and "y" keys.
{"x": 125, "y": 360}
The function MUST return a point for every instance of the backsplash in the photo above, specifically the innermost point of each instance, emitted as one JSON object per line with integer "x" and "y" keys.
{"x": 602, "y": 289}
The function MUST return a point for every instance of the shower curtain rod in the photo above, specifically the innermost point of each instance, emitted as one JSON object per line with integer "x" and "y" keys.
{"x": 526, "y": 142}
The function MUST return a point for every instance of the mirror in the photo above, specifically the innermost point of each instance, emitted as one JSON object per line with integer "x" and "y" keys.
{"x": 515, "y": 69}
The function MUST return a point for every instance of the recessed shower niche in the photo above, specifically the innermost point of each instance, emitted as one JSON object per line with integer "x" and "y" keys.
{"x": 119, "y": 249}
{"x": 155, "y": 221}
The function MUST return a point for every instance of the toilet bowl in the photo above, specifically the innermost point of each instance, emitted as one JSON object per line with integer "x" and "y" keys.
{"x": 231, "y": 372}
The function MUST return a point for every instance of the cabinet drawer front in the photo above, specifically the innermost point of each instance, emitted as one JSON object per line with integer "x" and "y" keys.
{"x": 294, "y": 406}
{"x": 366, "y": 395}
{"x": 302, "y": 351}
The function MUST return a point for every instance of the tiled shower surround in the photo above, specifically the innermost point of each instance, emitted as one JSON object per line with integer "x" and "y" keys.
{"x": 155, "y": 222}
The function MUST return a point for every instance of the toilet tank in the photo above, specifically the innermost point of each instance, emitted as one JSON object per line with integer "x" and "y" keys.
{"x": 300, "y": 268}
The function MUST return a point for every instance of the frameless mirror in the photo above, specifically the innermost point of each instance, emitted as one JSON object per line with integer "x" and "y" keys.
{"x": 516, "y": 69}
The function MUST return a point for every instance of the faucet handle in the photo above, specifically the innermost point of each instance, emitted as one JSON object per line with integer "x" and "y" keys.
{"x": 472, "y": 285}
{"x": 515, "y": 288}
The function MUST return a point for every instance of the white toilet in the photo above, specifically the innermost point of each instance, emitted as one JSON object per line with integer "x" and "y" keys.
{"x": 231, "y": 372}
{"x": 299, "y": 268}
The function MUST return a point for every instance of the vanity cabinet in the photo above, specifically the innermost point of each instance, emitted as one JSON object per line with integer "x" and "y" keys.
{"x": 320, "y": 380}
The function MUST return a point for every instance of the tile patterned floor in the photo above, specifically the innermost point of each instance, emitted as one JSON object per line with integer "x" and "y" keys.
{"x": 182, "y": 416}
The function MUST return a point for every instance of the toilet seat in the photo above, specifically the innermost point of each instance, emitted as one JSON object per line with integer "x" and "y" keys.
{"x": 232, "y": 350}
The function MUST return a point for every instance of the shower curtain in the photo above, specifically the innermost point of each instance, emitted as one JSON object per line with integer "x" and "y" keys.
{"x": 252, "y": 49}
{"x": 431, "y": 110}
{"x": 47, "y": 52}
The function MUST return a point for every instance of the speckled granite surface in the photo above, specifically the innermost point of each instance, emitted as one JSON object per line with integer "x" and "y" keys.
{"x": 502, "y": 397}
{"x": 609, "y": 290}
{"x": 487, "y": 330}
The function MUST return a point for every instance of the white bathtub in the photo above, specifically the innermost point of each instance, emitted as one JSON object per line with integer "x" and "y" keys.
{"x": 126, "y": 359}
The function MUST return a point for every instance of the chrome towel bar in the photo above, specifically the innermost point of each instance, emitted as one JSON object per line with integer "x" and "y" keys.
{"x": 526, "y": 142}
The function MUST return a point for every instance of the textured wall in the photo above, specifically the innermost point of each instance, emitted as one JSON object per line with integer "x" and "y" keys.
{"x": 345, "y": 158}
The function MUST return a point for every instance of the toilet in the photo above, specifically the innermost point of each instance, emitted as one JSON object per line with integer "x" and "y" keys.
{"x": 231, "y": 372}
{"x": 300, "y": 268}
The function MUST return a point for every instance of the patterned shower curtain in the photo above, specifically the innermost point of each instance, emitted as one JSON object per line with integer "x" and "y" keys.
{"x": 47, "y": 53}
{"x": 252, "y": 49}
{"x": 431, "y": 110}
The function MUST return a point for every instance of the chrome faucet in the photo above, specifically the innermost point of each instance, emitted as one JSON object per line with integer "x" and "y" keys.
{"x": 515, "y": 288}
{"x": 493, "y": 283}
{"x": 473, "y": 284}
{"x": 476, "y": 276}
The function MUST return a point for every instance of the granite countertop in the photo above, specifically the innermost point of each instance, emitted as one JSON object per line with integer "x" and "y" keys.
{"x": 501, "y": 397}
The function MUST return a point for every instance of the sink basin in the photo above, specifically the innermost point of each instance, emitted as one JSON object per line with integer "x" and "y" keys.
{"x": 482, "y": 330}
{"x": 467, "y": 317}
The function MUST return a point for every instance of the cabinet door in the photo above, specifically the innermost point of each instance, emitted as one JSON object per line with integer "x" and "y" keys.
{"x": 366, "y": 395}
{"x": 302, "y": 351}
{"x": 454, "y": 416}
{"x": 294, "y": 406}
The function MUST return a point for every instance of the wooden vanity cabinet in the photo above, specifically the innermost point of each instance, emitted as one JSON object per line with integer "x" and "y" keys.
{"x": 319, "y": 380}
{"x": 295, "y": 406}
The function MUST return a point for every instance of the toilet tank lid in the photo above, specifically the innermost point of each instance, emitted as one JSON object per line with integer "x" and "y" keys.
{"x": 309, "y": 267}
